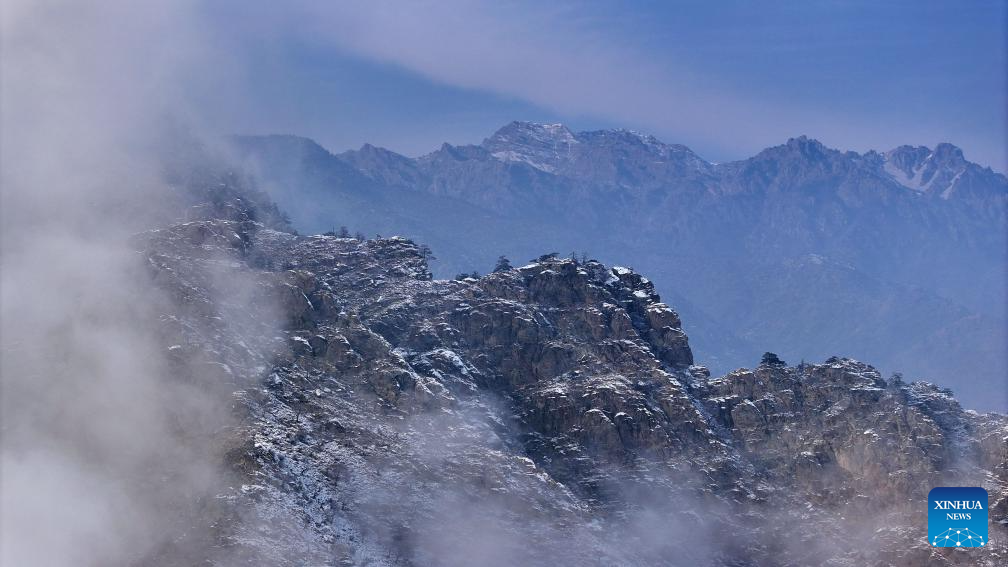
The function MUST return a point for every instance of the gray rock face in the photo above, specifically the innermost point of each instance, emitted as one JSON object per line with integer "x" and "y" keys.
{"x": 546, "y": 414}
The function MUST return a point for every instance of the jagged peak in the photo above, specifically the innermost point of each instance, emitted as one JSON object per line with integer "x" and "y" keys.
{"x": 925, "y": 170}
{"x": 369, "y": 149}
{"x": 806, "y": 144}
{"x": 907, "y": 154}
{"x": 943, "y": 152}
{"x": 623, "y": 134}
{"x": 907, "y": 149}
{"x": 548, "y": 147}
{"x": 539, "y": 131}
{"x": 446, "y": 149}
{"x": 648, "y": 141}
{"x": 946, "y": 151}
{"x": 536, "y": 130}
{"x": 520, "y": 141}
{"x": 801, "y": 147}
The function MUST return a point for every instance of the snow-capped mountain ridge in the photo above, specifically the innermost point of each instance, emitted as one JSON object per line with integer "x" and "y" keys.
{"x": 631, "y": 158}
{"x": 554, "y": 148}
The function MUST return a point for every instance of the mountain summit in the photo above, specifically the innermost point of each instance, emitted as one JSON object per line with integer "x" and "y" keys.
{"x": 623, "y": 157}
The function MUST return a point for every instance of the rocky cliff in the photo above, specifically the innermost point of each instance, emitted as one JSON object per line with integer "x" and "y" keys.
{"x": 547, "y": 414}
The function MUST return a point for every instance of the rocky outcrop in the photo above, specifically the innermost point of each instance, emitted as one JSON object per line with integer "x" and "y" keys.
{"x": 840, "y": 422}
{"x": 550, "y": 413}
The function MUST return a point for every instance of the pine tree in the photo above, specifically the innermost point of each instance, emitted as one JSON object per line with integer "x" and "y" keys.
{"x": 771, "y": 359}
{"x": 503, "y": 264}
{"x": 547, "y": 257}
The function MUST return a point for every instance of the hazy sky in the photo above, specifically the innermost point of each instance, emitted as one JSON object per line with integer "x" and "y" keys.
{"x": 725, "y": 78}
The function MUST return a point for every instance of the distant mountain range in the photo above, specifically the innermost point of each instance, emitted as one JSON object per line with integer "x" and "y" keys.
{"x": 896, "y": 257}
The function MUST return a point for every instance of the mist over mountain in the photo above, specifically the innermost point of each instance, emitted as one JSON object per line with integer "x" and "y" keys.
{"x": 252, "y": 396}
{"x": 895, "y": 257}
{"x": 191, "y": 375}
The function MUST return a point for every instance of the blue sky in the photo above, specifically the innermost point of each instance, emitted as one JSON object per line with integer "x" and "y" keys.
{"x": 725, "y": 78}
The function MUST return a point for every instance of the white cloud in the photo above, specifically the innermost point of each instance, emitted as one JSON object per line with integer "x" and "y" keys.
{"x": 559, "y": 57}
{"x": 547, "y": 56}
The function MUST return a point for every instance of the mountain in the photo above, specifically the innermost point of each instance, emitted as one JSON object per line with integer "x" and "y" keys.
{"x": 895, "y": 257}
{"x": 548, "y": 414}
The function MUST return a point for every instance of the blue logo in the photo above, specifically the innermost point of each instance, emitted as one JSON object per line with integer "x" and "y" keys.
{"x": 957, "y": 516}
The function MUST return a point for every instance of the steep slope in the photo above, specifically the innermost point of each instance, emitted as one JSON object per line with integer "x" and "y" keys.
{"x": 741, "y": 228}
{"x": 549, "y": 413}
